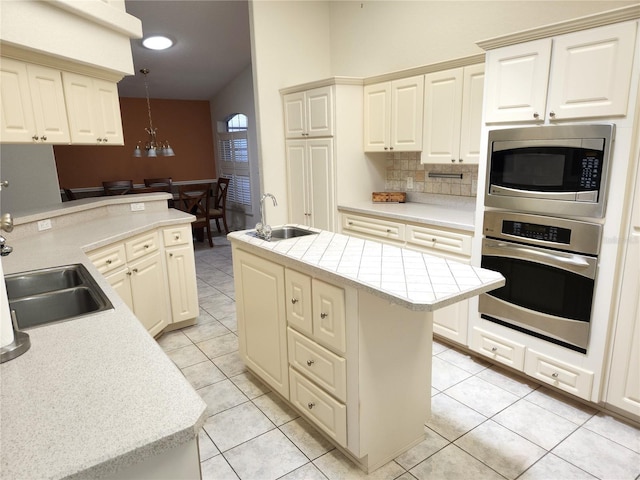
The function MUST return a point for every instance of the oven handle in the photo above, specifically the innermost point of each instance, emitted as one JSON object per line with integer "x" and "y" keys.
{"x": 575, "y": 261}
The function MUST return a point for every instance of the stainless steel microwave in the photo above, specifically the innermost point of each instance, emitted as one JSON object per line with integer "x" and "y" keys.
{"x": 554, "y": 169}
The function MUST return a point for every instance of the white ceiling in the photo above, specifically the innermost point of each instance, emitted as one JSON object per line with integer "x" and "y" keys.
{"x": 212, "y": 47}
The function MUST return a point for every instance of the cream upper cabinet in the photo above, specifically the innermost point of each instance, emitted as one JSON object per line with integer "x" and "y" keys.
{"x": 94, "y": 110}
{"x": 453, "y": 115}
{"x": 310, "y": 181}
{"x": 309, "y": 113}
{"x": 33, "y": 104}
{"x": 393, "y": 115}
{"x": 577, "y": 75}
{"x": 262, "y": 324}
{"x": 623, "y": 389}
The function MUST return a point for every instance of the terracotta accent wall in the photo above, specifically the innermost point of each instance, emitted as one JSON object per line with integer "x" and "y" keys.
{"x": 185, "y": 123}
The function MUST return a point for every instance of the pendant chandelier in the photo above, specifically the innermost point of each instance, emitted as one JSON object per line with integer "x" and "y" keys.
{"x": 152, "y": 147}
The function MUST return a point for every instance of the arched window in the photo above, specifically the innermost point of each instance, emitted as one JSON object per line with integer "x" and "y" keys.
{"x": 233, "y": 154}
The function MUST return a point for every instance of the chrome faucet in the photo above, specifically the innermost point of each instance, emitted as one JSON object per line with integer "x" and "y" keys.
{"x": 4, "y": 249}
{"x": 262, "y": 227}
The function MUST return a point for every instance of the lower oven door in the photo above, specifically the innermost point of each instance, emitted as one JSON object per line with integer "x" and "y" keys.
{"x": 548, "y": 294}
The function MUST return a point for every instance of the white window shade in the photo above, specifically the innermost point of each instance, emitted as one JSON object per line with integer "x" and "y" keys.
{"x": 234, "y": 164}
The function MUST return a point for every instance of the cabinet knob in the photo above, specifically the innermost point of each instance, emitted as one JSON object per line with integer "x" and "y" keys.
{"x": 311, "y": 405}
{"x": 324, "y": 315}
{"x": 388, "y": 230}
{"x": 494, "y": 349}
{"x": 552, "y": 114}
{"x": 390, "y": 148}
{"x": 176, "y": 237}
{"x": 171, "y": 255}
{"x": 129, "y": 274}
{"x": 44, "y": 138}
{"x": 310, "y": 362}
{"x": 294, "y": 301}
{"x": 135, "y": 270}
{"x": 35, "y": 138}
{"x": 386, "y": 148}
{"x": 146, "y": 246}
{"x": 434, "y": 240}
{"x": 536, "y": 115}
{"x": 350, "y": 223}
{"x": 6, "y": 222}
{"x": 460, "y": 160}
{"x": 108, "y": 261}
{"x": 105, "y": 140}
{"x": 555, "y": 375}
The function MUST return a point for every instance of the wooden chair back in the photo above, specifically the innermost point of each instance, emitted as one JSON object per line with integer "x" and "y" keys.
{"x": 166, "y": 183}
{"x": 194, "y": 199}
{"x": 219, "y": 210}
{"x": 117, "y": 187}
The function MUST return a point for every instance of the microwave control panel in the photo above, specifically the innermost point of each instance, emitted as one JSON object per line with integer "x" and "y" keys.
{"x": 589, "y": 179}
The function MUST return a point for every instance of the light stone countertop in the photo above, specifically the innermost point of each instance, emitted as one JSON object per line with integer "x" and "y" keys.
{"x": 414, "y": 280}
{"x": 458, "y": 216}
{"x": 94, "y": 394}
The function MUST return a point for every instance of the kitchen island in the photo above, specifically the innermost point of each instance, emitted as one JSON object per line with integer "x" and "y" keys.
{"x": 341, "y": 327}
{"x": 94, "y": 396}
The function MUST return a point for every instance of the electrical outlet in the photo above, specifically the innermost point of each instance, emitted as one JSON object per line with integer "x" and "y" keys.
{"x": 409, "y": 183}
{"x": 137, "y": 207}
{"x": 44, "y": 224}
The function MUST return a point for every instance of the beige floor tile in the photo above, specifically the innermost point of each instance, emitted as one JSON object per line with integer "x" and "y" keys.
{"x": 464, "y": 360}
{"x": 535, "y": 423}
{"x": 172, "y": 340}
{"x": 217, "y": 468}
{"x": 508, "y": 381}
{"x": 430, "y": 445}
{"x": 445, "y": 375}
{"x": 186, "y": 356}
{"x": 306, "y": 472}
{"x": 218, "y": 346}
{"x": 203, "y": 374}
{"x": 484, "y": 397}
{"x": 452, "y": 463}
{"x": 275, "y": 409}
{"x": 237, "y": 425}
{"x": 221, "y": 396}
{"x": 205, "y": 446}
{"x": 452, "y": 419}
{"x": 335, "y": 466}
{"x": 501, "y": 449}
{"x": 562, "y": 405}
{"x": 306, "y": 438}
{"x": 552, "y": 467}
{"x": 231, "y": 364}
{"x": 206, "y": 330}
{"x": 267, "y": 457}
{"x": 599, "y": 456}
{"x": 615, "y": 430}
{"x": 249, "y": 385}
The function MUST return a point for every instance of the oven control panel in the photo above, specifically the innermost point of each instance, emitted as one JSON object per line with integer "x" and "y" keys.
{"x": 545, "y": 233}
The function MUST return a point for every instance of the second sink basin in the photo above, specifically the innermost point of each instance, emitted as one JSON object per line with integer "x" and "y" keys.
{"x": 54, "y": 294}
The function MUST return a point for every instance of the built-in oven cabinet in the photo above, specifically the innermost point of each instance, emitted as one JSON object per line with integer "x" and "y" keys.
{"x": 623, "y": 373}
{"x": 544, "y": 80}
{"x": 449, "y": 322}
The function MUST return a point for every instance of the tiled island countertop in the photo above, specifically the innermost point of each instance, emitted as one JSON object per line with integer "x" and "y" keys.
{"x": 93, "y": 395}
{"x": 414, "y": 280}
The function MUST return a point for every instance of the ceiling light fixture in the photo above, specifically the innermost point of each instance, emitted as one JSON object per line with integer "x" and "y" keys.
{"x": 157, "y": 42}
{"x": 152, "y": 148}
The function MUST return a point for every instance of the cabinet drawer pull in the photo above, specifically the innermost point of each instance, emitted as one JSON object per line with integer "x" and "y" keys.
{"x": 35, "y": 137}
{"x": 310, "y": 362}
{"x": 294, "y": 300}
{"x": 135, "y": 270}
{"x": 536, "y": 115}
{"x": 324, "y": 315}
{"x": 388, "y": 230}
{"x": 44, "y": 138}
{"x": 108, "y": 262}
{"x": 171, "y": 255}
{"x": 129, "y": 274}
{"x": 552, "y": 114}
{"x": 177, "y": 237}
{"x": 311, "y": 405}
{"x": 555, "y": 375}
{"x": 146, "y": 246}
{"x": 494, "y": 349}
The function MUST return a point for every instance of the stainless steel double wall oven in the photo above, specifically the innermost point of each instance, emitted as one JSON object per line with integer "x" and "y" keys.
{"x": 540, "y": 179}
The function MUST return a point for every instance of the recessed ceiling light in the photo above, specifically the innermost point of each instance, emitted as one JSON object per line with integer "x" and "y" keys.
{"x": 157, "y": 42}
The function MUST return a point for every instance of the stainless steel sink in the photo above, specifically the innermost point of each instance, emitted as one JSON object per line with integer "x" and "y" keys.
{"x": 283, "y": 233}
{"x": 54, "y": 294}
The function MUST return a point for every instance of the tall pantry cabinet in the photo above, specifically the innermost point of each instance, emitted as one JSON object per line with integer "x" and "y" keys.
{"x": 312, "y": 148}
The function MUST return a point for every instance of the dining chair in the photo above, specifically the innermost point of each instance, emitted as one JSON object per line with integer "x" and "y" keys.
{"x": 117, "y": 187}
{"x": 162, "y": 184}
{"x": 219, "y": 209}
{"x": 68, "y": 193}
{"x": 194, "y": 199}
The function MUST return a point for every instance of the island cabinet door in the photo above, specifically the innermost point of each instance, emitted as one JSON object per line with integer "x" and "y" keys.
{"x": 262, "y": 329}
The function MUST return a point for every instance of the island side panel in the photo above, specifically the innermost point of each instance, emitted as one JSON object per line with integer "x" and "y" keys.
{"x": 395, "y": 346}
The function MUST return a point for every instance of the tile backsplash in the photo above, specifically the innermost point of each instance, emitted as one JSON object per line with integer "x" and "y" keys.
{"x": 401, "y": 166}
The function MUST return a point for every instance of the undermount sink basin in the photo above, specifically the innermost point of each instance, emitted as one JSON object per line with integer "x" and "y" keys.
{"x": 283, "y": 233}
{"x": 54, "y": 294}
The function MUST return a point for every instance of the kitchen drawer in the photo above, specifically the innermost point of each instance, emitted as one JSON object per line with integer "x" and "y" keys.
{"x": 142, "y": 245}
{"x": 373, "y": 227}
{"x": 298, "y": 303}
{"x": 178, "y": 235}
{"x": 108, "y": 259}
{"x": 440, "y": 241}
{"x": 319, "y": 364}
{"x": 569, "y": 378}
{"x": 319, "y": 407}
{"x": 498, "y": 348}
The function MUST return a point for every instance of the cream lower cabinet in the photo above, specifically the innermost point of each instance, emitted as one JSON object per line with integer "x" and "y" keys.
{"x": 355, "y": 366}
{"x": 181, "y": 273}
{"x": 449, "y": 322}
{"x": 156, "y": 280}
